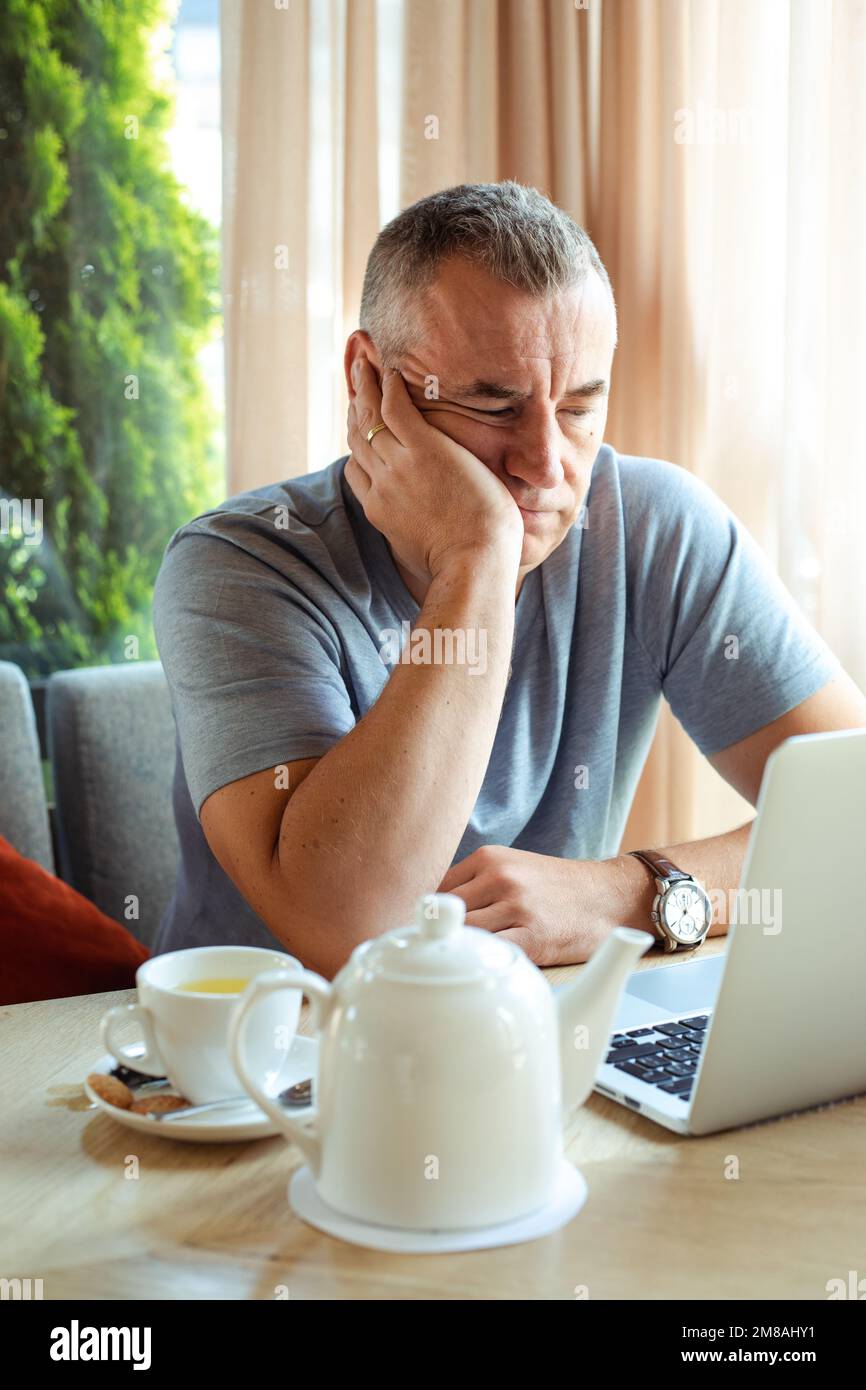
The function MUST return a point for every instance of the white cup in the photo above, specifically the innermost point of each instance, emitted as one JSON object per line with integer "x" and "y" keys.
{"x": 186, "y": 1032}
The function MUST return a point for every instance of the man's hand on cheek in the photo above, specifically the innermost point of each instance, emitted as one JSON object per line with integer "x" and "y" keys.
{"x": 431, "y": 497}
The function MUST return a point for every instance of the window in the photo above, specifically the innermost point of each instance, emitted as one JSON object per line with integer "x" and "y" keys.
{"x": 110, "y": 355}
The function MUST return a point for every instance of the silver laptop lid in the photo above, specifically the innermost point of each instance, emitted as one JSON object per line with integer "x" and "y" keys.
{"x": 789, "y": 1027}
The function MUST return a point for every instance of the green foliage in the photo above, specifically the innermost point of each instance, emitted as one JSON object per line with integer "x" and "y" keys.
{"x": 109, "y": 287}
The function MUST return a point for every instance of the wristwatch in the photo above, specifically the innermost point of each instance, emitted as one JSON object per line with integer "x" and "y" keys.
{"x": 682, "y": 913}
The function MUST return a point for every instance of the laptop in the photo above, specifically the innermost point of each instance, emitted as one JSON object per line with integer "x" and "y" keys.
{"x": 778, "y": 1022}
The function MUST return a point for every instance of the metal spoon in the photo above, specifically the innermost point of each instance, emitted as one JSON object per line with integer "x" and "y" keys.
{"x": 293, "y": 1097}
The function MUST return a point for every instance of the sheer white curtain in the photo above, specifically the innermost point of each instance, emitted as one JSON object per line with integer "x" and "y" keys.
{"x": 312, "y": 95}
{"x": 777, "y": 245}
{"x": 730, "y": 207}
{"x": 820, "y": 477}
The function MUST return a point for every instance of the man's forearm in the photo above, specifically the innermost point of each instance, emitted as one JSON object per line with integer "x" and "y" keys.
{"x": 379, "y": 818}
{"x": 715, "y": 862}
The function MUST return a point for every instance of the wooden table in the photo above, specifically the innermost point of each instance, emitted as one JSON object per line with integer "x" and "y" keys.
{"x": 662, "y": 1219}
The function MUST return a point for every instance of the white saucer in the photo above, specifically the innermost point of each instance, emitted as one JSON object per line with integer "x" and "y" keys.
{"x": 568, "y": 1198}
{"x": 242, "y": 1122}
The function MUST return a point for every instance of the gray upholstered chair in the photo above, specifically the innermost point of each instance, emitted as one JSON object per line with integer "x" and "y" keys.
{"x": 112, "y": 744}
{"x": 23, "y": 810}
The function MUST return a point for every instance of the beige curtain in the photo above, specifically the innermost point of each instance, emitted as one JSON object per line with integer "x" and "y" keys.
{"x": 300, "y": 212}
{"x": 714, "y": 151}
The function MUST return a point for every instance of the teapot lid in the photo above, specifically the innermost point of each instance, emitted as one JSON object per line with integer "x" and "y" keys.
{"x": 437, "y": 948}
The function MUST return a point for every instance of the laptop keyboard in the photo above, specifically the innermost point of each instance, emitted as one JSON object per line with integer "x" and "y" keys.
{"x": 665, "y": 1056}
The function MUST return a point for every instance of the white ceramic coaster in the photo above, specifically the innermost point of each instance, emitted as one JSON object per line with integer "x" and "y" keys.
{"x": 569, "y": 1197}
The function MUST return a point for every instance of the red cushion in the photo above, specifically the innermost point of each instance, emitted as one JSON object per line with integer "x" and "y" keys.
{"x": 53, "y": 941}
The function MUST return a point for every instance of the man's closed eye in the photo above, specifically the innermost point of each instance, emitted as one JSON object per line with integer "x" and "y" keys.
{"x": 584, "y": 410}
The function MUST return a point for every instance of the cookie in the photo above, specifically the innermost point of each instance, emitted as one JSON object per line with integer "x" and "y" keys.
{"x": 109, "y": 1089}
{"x": 159, "y": 1105}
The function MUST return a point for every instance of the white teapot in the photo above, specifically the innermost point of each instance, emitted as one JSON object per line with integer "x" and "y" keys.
{"x": 446, "y": 1069}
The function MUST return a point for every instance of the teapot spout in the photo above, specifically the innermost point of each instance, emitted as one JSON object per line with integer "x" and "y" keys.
{"x": 587, "y": 1007}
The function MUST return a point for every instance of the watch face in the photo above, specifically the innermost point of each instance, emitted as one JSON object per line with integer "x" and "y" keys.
{"x": 686, "y": 913}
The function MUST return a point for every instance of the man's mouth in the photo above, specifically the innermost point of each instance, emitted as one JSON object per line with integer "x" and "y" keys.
{"x": 530, "y": 511}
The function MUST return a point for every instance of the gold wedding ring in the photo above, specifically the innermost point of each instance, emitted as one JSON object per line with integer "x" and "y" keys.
{"x": 375, "y": 430}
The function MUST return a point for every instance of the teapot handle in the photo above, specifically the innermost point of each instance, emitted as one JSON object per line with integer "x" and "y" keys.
{"x": 303, "y": 1132}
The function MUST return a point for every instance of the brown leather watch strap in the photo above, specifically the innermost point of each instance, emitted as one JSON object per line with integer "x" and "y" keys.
{"x": 660, "y": 866}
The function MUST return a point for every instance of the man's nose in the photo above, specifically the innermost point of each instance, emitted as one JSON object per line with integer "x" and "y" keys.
{"x": 532, "y": 453}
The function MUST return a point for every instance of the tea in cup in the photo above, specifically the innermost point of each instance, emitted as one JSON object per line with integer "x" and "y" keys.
{"x": 185, "y": 1003}
{"x": 219, "y": 984}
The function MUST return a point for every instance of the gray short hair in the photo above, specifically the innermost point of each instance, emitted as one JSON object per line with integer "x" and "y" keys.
{"x": 514, "y": 232}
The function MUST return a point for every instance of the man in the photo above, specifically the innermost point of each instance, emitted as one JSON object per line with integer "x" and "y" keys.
{"x": 329, "y": 773}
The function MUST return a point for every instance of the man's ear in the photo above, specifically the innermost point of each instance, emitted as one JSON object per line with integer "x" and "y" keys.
{"x": 364, "y": 342}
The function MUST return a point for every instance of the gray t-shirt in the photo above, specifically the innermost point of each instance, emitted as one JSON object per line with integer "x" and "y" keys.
{"x": 272, "y": 613}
